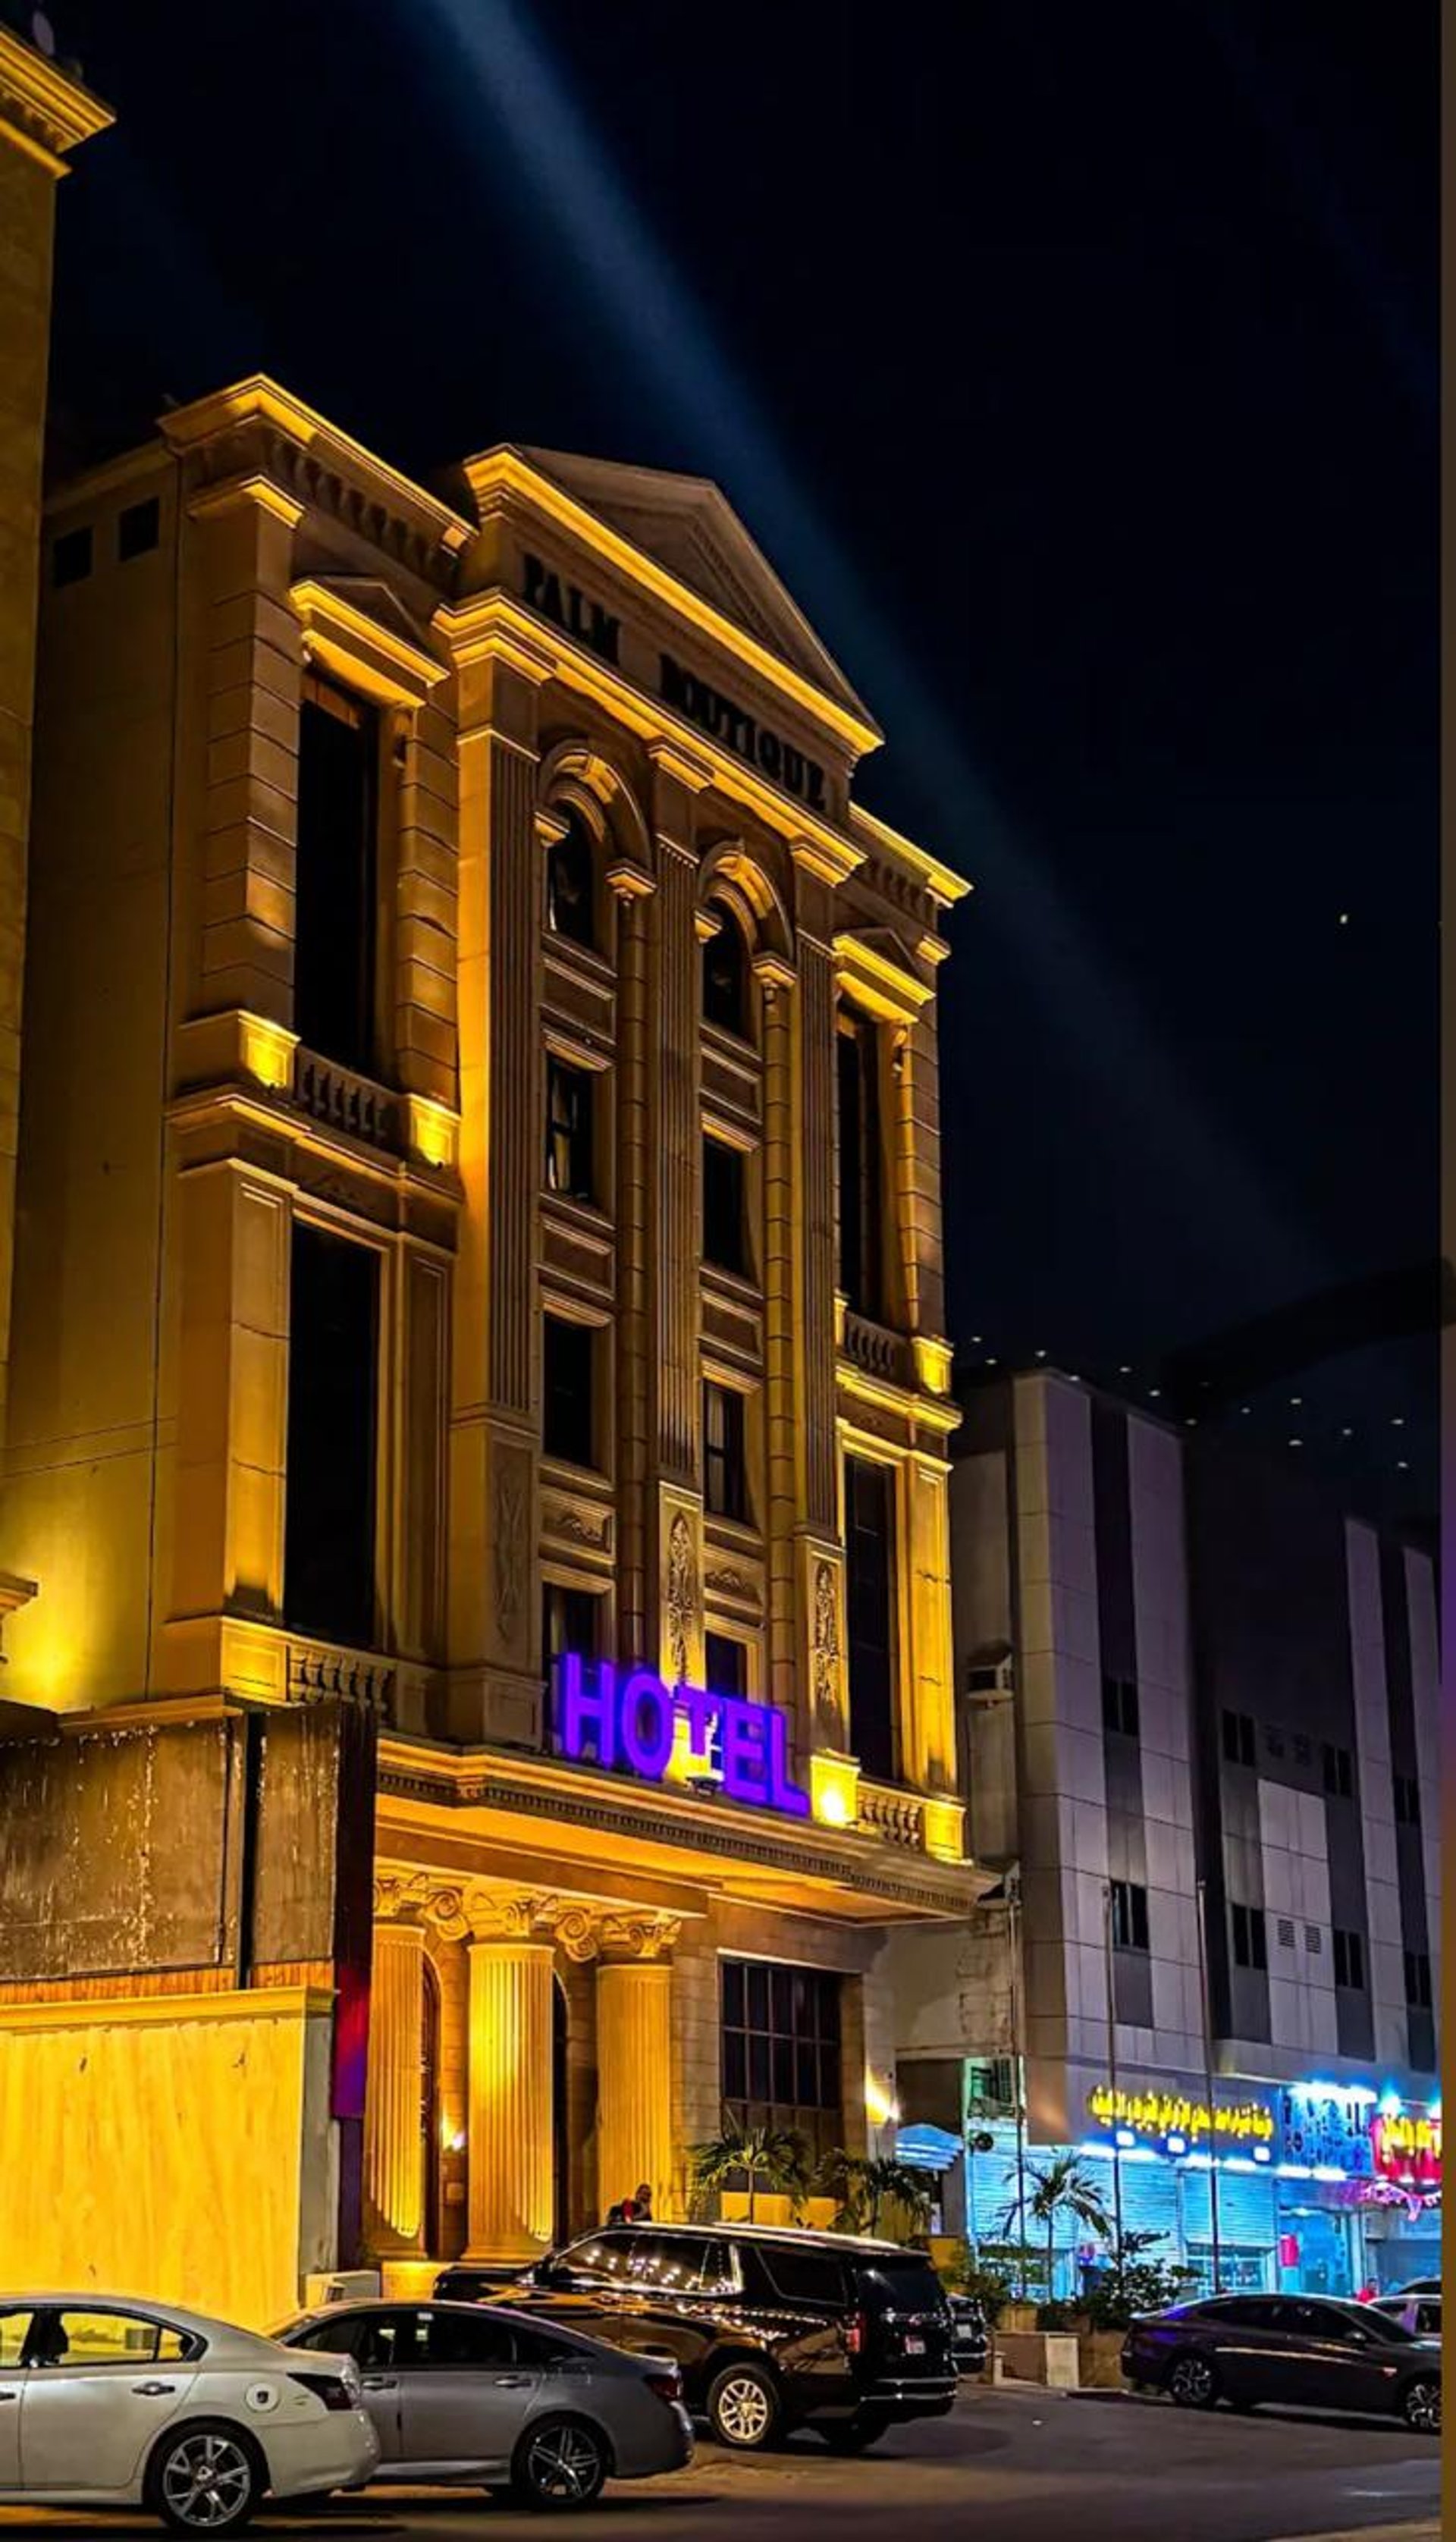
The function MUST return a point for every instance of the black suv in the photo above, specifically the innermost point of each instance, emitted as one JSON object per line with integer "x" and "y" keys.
{"x": 771, "y": 2330}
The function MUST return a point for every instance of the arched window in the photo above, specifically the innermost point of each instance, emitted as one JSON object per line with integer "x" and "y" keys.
{"x": 725, "y": 976}
{"x": 570, "y": 876}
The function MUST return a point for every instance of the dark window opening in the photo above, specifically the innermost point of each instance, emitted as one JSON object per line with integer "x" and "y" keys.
{"x": 724, "y": 1229}
{"x": 568, "y": 1425}
{"x": 869, "y": 1569}
{"x": 336, "y": 916}
{"x": 1238, "y": 1738}
{"x": 861, "y": 1170}
{"x": 568, "y": 1156}
{"x": 1348, "y": 1953}
{"x": 1128, "y": 1915}
{"x": 1247, "y": 1934}
{"x": 1120, "y": 1706}
{"x": 570, "y": 1621}
{"x": 725, "y": 1664}
{"x": 725, "y": 977}
{"x": 570, "y": 883}
{"x": 1406, "y": 1800}
{"x": 780, "y": 2050}
{"x": 725, "y": 1471}
{"x": 70, "y": 556}
{"x": 1338, "y": 1772}
{"x": 1417, "y": 1980}
{"x": 332, "y": 1386}
{"x": 138, "y": 529}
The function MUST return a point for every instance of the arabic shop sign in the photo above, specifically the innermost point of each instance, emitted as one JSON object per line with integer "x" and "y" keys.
{"x": 1406, "y": 2150}
{"x": 628, "y": 1719}
{"x": 575, "y": 611}
{"x": 1326, "y": 2126}
{"x": 1175, "y": 2122}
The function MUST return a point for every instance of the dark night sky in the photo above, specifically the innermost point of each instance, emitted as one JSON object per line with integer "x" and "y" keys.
{"x": 1076, "y": 368}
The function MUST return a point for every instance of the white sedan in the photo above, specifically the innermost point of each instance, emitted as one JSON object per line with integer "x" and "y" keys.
{"x": 107, "y": 2401}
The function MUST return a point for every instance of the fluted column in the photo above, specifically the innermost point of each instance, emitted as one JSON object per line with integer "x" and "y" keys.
{"x": 511, "y": 2118}
{"x": 634, "y": 2081}
{"x": 394, "y": 2153}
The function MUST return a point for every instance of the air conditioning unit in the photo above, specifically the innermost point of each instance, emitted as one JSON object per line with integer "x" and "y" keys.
{"x": 341, "y": 2286}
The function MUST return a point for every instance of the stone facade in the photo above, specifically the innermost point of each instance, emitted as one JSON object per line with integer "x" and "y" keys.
{"x": 575, "y": 678}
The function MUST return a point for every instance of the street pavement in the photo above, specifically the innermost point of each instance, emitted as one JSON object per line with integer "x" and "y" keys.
{"x": 1016, "y": 2464}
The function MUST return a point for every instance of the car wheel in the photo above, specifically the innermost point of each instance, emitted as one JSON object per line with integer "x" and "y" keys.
{"x": 561, "y": 2464}
{"x": 853, "y": 2435}
{"x": 205, "y": 2478}
{"x": 744, "y": 2408}
{"x": 1193, "y": 2383}
{"x": 1421, "y": 2405}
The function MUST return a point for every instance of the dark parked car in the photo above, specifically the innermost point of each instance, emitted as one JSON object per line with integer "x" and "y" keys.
{"x": 969, "y": 2338}
{"x": 771, "y": 2330}
{"x": 1306, "y": 2350}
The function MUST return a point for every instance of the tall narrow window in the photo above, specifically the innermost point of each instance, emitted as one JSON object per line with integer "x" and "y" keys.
{"x": 568, "y": 1156}
{"x": 725, "y": 1478}
{"x": 869, "y": 1565}
{"x": 725, "y": 976}
{"x": 333, "y": 1387}
{"x": 570, "y": 1621}
{"x": 725, "y": 1664}
{"x": 567, "y": 1425}
{"x": 336, "y": 881}
{"x": 724, "y": 1215}
{"x": 570, "y": 875}
{"x": 1128, "y": 1915}
{"x": 861, "y": 1168}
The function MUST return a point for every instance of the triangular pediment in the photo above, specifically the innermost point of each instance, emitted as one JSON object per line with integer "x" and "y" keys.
{"x": 374, "y": 599}
{"x": 684, "y": 524}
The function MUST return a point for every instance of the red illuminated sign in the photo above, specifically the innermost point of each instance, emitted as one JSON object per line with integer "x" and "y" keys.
{"x": 1406, "y": 2150}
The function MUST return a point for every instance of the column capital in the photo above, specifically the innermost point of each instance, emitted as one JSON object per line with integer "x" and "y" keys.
{"x": 630, "y": 881}
{"x": 641, "y": 1938}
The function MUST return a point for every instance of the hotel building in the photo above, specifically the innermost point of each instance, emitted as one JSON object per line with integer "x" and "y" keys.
{"x": 479, "y": 1274}
{"x": 1181, "y": 1669}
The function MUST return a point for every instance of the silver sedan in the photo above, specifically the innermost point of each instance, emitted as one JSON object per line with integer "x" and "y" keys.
{"x": 474, "y": 2393}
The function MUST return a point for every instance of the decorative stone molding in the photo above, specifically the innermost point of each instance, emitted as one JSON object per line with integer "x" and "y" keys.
{"x": 475, "y": 1910}
{"x": 682, "y": 1596}
{"x": 638, "y": 1937}
{"x": 825, "y": 1692}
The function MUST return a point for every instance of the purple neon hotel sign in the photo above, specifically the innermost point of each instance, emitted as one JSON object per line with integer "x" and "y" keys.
{"x": 628, "y": 1718}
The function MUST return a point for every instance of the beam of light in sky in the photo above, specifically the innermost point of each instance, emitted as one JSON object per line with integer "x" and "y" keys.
{"x": 575, "y": 185}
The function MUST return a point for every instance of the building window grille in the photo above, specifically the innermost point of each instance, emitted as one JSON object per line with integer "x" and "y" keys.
{"x": 869, "y": 1586}
{"x": 1417, "y": 1980}
{"x": 335, "y": 876}
{"x": 781, "y": 2033}
{"x": 329, "y": 1553}
{"x": 861, "y": 1168}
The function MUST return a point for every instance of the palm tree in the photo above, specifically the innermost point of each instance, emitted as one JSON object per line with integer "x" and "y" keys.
{"x": 863, "y": 2186}
{"x": 776, "y": 2160}
{"x": 1061, "y": 2187}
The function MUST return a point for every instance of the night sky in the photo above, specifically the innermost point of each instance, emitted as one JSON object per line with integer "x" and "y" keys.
{"x": 1076, "y": 368}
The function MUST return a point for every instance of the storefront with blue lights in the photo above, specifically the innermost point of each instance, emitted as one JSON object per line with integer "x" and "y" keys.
{"x": 1320, "y": 2188}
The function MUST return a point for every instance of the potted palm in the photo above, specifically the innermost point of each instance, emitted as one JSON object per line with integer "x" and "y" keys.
{"x": 769, "y": 2161}
{"x": 1062, "y": 2188}
{"x": 864, "y": 2186}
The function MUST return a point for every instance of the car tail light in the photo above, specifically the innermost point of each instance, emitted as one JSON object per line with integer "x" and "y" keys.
{"x": 668, "y": 2386}
{"x": 331, "y": 2389}
{"x": 854, "y": 2332}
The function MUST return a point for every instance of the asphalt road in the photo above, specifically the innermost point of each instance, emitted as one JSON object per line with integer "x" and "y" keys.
{"x": 1019, "y": 2464}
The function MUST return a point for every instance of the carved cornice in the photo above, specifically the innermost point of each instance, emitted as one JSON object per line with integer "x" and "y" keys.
{"x": 479, "y": 1911}
{"x": 41, "y": 109}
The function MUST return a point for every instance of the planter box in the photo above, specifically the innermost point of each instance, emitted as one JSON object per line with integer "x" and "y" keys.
{"x": 1018, "y": 2316}
{"x": 1099, "y": 2359}
{"x": 1047, "y": 2356}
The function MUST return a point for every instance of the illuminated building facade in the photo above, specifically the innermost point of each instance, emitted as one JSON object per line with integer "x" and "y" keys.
{"x": 1177, "y": 1664}
{"x": 482, "y": 1414}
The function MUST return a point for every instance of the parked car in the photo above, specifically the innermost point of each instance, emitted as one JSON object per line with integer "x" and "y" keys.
{"x": 1421, "y": 2313}
{"x": 770, "y": 2329}
{"x": 110, "y": 2401}
{"x": 470, "y": 2393}
{"x": 1310, "y": 2350}
{"x": 969, "y": 2338}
